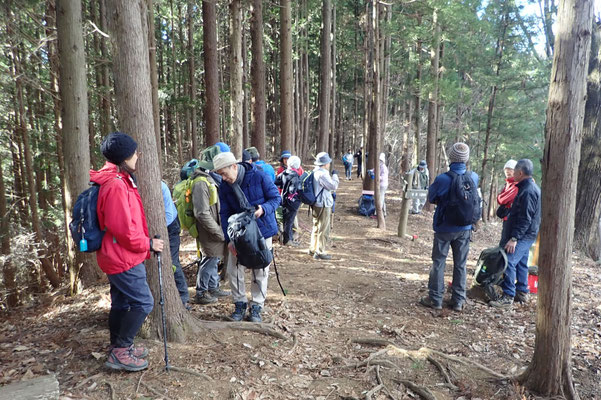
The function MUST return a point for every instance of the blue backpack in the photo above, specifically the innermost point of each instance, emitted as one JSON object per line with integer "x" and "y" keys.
{"x": 306, "y": 191}
{"x": 84, "y": 225}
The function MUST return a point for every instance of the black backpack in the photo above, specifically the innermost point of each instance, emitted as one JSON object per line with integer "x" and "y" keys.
{"x": 242, "y": 228}
{"x": 463, "y": 207}
{"x": 490, "y": 268}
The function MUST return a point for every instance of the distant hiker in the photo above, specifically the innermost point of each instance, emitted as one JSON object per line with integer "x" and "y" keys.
{"x": 347, "y": 160}
{"x": 289, "y": 182}
{"x": 457, "y": 208}
{"x": 174, "y": 230}
{"x": 507, "y": 195}
{"x": 323, "y": 184}
{"x": 383, "y": 182}
{"x": 261, "y": 193}
{"x": 420, "y": 181}
{"x": 256, "y": 159}
{"x": 359, "y": 156}
{"x": 519, "y": 235}
{"x": 284, "y": 157}
{"x": 210, "y": 240}
{"x": 125, "y": 246}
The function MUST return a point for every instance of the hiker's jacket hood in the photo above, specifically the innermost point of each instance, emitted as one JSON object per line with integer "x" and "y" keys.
{"x": 259, "y": 189}
{"x": 120, "y": 212}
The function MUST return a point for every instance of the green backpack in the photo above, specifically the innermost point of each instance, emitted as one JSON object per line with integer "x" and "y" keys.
{"x": 182, "y": 195}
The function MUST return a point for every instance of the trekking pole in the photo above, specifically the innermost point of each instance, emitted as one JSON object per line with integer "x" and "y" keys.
{"x": 162, "y": 303}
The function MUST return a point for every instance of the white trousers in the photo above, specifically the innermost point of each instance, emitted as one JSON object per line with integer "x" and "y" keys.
{"x": 259, "y": 278}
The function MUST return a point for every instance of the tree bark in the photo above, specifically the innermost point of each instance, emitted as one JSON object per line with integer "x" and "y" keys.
{"x": 417, "y": 118}
{"x": 550, "y": 372}
{"x": 8, "y": 268}
{"x": 334, "y": 145}
{"x": 211, "y": 75}
{"x": 236, "y": 72}
{"x": 154, "y": 78}
{"x": 433, "y": 99}
{"x": 325, "y": 66}
{"x": 588, "y": 196}
{"x": 129, "y": 34}
{"x": 257, "y": 78}
{"x": 286, "y": 101}
{"x": 246, "y": 100}
{"x": 105, "y": 94}
{"x": 75, "y": 139}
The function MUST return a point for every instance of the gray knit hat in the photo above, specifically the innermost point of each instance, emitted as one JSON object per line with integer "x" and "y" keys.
{"x": 460, "y": 152}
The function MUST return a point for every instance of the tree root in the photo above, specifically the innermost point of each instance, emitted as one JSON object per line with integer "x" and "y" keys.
{"x": 381, "y": 382}
{"x": 266, "y": 329}
{"x": 294, "y": 343}
{"x": 424, "y": 392}
{"x": 468, "y": 362}
{"x": 191, "y": 372}
{"x": 140, "y": 381}
{"x": 89, "y": 378}
{"x": 373, "y": 391}
{"x": 444, "y": 373}
{"x": 153, "y": 390}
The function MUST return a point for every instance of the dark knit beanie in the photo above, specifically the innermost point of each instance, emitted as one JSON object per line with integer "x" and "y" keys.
{"x": 118, "y": 147}
{"x": 246, "y": 157}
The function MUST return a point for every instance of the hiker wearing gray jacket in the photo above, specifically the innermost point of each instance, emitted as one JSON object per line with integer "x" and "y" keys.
{"x": 323, "y": 185}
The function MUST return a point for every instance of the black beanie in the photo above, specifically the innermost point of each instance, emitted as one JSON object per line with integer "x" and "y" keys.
{"x": 118, "y": 147}
{"x": 246, "y": 156}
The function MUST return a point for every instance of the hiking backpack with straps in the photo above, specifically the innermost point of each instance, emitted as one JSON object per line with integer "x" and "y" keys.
{"x": 490, "y": 268}
{"x": 182, "y": 196}
{"x": 463, "y": 207}
{"x": 306, "y": 190}
{"x": 84, "y": 225}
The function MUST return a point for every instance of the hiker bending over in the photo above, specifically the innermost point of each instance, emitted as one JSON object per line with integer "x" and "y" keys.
{"x": 421, "y": 180}
{"x": 174, "y": 230}
{"x": 211, "y": 240}
{"x": 507, "y": 195}
{"x": 519, "y": 235}
{"x": 457, "y": 208}
{"x": 125, "y": 246}
{"x": 289, "y": 181}
{"x": 260, "y": 193}
{"x": 324, "y": 184}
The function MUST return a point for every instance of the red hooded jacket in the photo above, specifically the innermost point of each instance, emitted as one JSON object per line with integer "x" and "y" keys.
{"x": 507, "y": 195}
{"x": 126, "y": 242}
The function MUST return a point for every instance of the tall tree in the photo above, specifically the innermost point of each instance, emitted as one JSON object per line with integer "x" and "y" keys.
{"x": 209, "y": 44}
{"x": 74, "y": 115}
{"x": 588, "y": 197}
{"x": 236, "y": 73}
{"x": 286, "y": 102}
{"x": 154, "y": 77}
{"x": 127, "y": 23}
{"x": 325, "y": 71}
{"x": 550, "y": 371}
{"x": 257, "y": 78}
{"x": 433, "y": 97}
{"x": 8, "y": 268}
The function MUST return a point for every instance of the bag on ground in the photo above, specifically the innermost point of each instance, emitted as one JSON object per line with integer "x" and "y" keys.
{"x": 463, "y": 207}
{"x": 367, "y": 205}
{"x": 306, "y": 191}
{"x": 490, "y": 268}
{"x": 84, "y": 225}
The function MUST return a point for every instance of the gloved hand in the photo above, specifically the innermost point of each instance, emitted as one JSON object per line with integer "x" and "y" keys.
{"x": 334, "y": 172}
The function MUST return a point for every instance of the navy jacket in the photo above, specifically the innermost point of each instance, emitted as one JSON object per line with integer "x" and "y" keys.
{"x": 438, "y": 194}
{"x": 524, "y": 218}
{"x": 259, "y": 190}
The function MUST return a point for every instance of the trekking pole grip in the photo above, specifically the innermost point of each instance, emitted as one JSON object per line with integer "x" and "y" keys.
{"x": 156, "y": 253}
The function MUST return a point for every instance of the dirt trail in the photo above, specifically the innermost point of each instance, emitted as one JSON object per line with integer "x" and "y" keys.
{"x": 368, "y": 290}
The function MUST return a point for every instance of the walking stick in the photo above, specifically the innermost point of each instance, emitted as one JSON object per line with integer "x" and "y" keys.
{"x": 162, "y": 303}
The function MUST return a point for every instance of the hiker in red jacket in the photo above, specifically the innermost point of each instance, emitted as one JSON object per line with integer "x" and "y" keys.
{"x": 125, "y": 246}
{"x": 507, "y": 195}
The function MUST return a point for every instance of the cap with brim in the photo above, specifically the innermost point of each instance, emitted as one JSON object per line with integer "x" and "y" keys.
{"x": 285, "y": 154}
{"x": 254, "y": 153}
{"x": 322, "y": 158}
{"x": 510, "y": 164}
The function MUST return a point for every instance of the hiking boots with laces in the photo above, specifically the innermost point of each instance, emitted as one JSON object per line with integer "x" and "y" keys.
{"x": 219, "y": 293}
{"x": 426, "y": 301}
{"x": 122, "y": 358}
{"x": 254, "y": 314}
{"x": 521, "y": 297}
{"x": 504, "y": 302}
{"x": 238, "y": 314}
{"x": 137, "y": 351}
{"x": 205, "y": 298}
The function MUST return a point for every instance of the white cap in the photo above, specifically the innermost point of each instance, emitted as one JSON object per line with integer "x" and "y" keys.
{"x": 223, "y": 160}
{"x": 294, "y": 162}
{"x": 510, "y": 164}
{"x": 383, "y": 157}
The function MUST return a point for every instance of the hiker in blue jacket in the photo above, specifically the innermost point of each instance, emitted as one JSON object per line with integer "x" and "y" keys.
{"x": 519, "y": 235}
{"x": 260, "y": 192}
{"x": 448, "y": 235}
{"x": 262, "y": 165}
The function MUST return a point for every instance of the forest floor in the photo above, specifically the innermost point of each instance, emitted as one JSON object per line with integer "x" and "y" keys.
{"x": 353, "y": 326}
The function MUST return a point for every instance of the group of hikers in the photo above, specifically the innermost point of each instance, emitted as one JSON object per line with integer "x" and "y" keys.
{"x": 218, "y": 189}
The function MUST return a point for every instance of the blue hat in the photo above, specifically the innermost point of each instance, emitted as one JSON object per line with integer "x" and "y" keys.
{"x": 285, "y": 154}
{"x": 223, "y": 147}
{"x": 118, "y": 147}
{"x": 423, "y": 163}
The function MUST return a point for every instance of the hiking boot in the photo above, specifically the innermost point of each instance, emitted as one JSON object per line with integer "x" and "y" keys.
{"x": 219, "y": 293}
{"x": 205, "y": 298}
{"x": 292, "y": 243}
{"x": 457, "y": 307}
{"x": 254, "y": 314}
{"x": 504, "y": 302}
{"x": 322, "y": 256}
{"x": 238, "y": 314}
{"x": 426, "y": 301}
{"x": 121, "y": 358}
{"x": 521, "y": 297}
{"x": 136, "y": 351}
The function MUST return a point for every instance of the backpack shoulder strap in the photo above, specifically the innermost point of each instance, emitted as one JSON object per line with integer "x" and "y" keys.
{"x": 241, "y": 197}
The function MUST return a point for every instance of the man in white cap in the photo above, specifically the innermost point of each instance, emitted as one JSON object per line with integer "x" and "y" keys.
{"x": 452, "y": 227}
{"x": 323, "y": 185}
{"x": 262, "y": 194}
